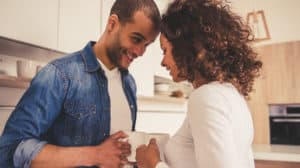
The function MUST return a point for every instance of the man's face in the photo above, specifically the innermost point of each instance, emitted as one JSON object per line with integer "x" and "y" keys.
{"x": 129, "y": 40}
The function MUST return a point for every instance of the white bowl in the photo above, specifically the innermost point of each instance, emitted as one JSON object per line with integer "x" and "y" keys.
{"x": 161, "y": 87}
{"x": 26, "y": 69}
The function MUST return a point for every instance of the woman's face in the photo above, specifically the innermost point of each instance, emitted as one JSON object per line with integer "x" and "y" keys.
{"x": 168, "y": 60}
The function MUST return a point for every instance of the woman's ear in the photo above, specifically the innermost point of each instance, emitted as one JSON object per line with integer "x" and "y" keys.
{"x": 112, "y": 23}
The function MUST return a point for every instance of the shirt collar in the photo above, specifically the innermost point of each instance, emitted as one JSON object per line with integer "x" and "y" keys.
{"x": 90, "y": 59}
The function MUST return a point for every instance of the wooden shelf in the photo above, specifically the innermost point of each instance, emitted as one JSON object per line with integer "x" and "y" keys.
{"x": 14, "y": 82}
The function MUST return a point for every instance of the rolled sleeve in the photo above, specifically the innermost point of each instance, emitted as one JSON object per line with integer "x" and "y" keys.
{"x": 26, "y": 152}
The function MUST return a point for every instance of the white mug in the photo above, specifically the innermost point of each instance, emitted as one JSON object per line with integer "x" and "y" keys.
{"x": 135, "y": 139}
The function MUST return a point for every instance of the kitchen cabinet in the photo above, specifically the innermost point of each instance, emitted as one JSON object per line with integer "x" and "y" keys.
{"x": 159, "y": 122}
{"x": 259, "y": 108}
{"x": 32, "y": 21}
{"x": 281, "y": 72}
{"x": 79, "y": 22}
{"x": 276, "y": 85}
{"x": 64, "y": 25}
{"x": 276, "y": 164}
{"x": 160, "y": 114}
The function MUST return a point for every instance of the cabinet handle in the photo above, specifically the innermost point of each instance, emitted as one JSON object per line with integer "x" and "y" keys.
{"x": 286, "y": 120}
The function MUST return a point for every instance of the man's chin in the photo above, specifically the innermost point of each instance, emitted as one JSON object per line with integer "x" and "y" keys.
{"x": 122, "y": 67}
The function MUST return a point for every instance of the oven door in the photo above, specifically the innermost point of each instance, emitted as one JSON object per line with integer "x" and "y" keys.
{"x": 285, "y": 130}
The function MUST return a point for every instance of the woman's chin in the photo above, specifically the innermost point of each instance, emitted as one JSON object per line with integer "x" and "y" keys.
{"x": 177, "y": 79}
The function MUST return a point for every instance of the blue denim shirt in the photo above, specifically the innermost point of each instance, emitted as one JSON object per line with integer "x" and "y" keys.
{"x": 67, "y": 104}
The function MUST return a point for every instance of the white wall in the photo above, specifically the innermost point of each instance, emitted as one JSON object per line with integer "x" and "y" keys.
{"x": 282, "y": 17}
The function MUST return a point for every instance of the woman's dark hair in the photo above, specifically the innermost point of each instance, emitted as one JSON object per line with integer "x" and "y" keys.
{"x": 208, "y": 39}
{"x": 126, "y": 8}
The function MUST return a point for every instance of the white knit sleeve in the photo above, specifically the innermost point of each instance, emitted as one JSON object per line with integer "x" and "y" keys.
{"x": 161, "y": 165}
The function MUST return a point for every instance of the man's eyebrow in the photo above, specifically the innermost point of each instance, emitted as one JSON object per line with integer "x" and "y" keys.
{"x": 139, "y": 35}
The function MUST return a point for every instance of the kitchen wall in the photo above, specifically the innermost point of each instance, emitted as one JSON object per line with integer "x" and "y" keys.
{"x": 281, "y": 16}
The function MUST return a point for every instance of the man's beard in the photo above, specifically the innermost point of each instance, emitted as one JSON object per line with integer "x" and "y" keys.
{"x": 115, "y": 52}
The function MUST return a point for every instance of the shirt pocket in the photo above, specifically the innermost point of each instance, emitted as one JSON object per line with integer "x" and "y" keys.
{"x": 81, "y": 122}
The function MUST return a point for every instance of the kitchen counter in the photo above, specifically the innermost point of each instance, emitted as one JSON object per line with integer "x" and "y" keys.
{"x": 160, "y": 103}
{"x": 285, "y": 153}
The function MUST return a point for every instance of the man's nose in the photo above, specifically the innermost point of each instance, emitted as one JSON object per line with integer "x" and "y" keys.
{"x": 139, "y": 50}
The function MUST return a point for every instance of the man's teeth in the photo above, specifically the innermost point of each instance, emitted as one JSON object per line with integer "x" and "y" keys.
{"x": 129, "y": 56}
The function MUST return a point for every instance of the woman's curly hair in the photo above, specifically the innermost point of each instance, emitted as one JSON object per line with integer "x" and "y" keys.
{"x": 210, "y": 40}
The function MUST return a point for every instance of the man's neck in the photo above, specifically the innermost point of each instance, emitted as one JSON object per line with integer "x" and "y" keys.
{"x": 100, "y": 52}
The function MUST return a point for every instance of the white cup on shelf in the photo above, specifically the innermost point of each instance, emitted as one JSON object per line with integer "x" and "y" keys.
{"x": 26, "y": 69}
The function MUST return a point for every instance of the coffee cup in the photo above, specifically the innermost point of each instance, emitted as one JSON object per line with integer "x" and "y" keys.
{"x": 26, "y": 69}
{"x": 135, "y": 139}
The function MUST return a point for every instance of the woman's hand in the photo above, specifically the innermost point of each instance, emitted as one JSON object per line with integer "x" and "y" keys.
{"x": 148, "y": 156}
{"x": 113, "y": 152}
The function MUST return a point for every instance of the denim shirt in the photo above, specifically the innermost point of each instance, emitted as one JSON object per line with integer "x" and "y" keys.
{"x": 67, "y": 104}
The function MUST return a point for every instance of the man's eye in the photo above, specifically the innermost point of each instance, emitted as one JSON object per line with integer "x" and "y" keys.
{"x": 136, "y": 40}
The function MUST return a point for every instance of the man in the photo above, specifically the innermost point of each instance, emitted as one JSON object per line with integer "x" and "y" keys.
{"x": 66, "y": 116}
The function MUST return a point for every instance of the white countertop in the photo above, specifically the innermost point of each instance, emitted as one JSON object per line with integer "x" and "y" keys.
{"x": 162, "y": 104}
{"x": 288, "y": 153}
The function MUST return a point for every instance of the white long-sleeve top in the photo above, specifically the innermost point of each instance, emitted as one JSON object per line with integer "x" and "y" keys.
{"x": 217, "y": 131}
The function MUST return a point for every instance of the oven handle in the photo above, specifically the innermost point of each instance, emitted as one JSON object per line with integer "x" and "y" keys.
{"x": 286, "y": 120}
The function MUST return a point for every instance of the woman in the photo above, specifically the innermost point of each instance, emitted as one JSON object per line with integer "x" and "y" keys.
{"x": 205, "y": 43}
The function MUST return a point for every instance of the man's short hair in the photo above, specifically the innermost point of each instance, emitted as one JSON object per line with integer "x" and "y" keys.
{"x": 125, "y": 10}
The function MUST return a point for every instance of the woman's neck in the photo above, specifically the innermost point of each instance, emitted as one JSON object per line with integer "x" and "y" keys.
{"x": 199, "y": 81}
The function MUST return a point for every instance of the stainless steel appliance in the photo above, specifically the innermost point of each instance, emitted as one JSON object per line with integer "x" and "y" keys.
{"x": 285, "y": 125}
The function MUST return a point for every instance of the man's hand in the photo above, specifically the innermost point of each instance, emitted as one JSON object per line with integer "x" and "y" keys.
{"x": 148, "y": 156}
{"x": 113, "y": 152}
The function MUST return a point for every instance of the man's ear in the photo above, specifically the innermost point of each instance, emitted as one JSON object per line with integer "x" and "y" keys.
{"x": 113, "y": 22}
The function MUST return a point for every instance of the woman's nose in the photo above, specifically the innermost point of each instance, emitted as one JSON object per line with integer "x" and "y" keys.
{"x": 163, "y": 64}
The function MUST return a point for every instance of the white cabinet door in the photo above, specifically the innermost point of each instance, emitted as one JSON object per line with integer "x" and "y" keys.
{"x": 32, "y": 21}
{"x": 159, "y": 122}
{"x": 79, "y": 22}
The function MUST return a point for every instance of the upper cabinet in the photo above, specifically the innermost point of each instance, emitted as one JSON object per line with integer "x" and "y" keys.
{"x": 79, "y": 22}
{"x": 32, "y": 21}
{"x": 64, "y": 25}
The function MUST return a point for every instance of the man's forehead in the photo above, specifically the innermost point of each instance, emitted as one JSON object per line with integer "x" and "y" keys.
{"x": 142, "y": 26}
